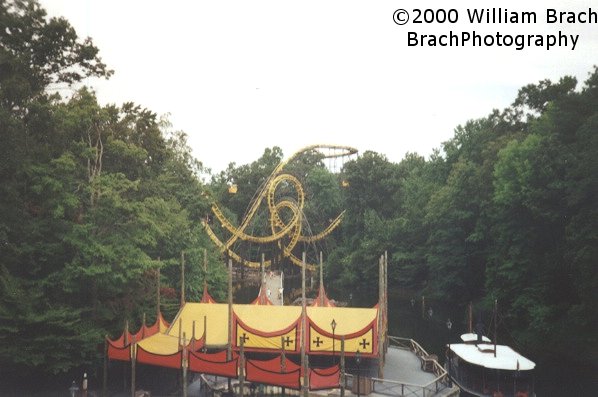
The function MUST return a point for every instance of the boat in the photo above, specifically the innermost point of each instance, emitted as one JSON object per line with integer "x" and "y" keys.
{"x": 482, "y": 368}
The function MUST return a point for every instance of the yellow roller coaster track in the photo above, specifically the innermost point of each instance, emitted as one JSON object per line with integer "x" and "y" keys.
{"x": 291, "y": 229}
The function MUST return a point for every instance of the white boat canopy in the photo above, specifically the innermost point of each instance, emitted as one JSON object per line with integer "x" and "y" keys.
{"x": 468, "y": 338}
{"x": 483, "y": 355}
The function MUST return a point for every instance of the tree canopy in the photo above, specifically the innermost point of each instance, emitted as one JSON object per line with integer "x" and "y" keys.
{"x": 95, "y": 199}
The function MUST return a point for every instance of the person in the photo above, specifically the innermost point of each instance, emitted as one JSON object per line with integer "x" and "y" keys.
{"x": 280, "y": 293}
{"x": 268, "y": 293}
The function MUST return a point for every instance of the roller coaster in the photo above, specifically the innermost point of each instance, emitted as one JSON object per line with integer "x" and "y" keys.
{"x": 285, "y": 212}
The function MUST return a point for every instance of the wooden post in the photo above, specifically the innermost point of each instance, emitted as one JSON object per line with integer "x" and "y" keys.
{"x": 182, "y": 278}
{"x": 263, "y": 270}
{"x": 242, "y": 369}
{"x": 205, "y": 268}
{"x": 143, "y": 326}
{"x": 105, "y": 380}
{"x": 126, "y": 342}
{"x": 470, "y": 317}
{"x": 158, "y": 291}
{"x": 304, "y": 330}
{"x": 133, "y": 360}
{"x": 342, "y": 380}
{"x": 321, "y": 281}
{"x": 205, "y": 330}
{"x": 380, "y": 317}
{"x": 283, "y": 361}
{"x": 495, "y": 320}
{"x": 385, "y": 303}
{"x": 229, "y": 353}
{"x": 184, "y": 365}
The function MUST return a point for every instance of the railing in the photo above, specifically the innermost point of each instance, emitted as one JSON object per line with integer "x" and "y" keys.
{"x": 392, "y": 387}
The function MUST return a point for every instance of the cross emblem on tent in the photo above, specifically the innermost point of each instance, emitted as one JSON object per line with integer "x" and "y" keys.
{"x": 244, "y": 338}
{"x": 317, "y": 341}
{"x": 363, "y": 343}
{"x": 287, "y": 341}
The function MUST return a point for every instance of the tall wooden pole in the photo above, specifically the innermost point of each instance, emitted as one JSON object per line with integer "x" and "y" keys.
{"x": 263, "y": 282}
{"x": 182, "y": 278}
{"x": 380, "y": 317}
{"x": 126, "y": 343}
{"x": 283, "y": 362}
{"x": 304, "y": 330}
{"x": 133, "y": 361}
{"x": 470, "y": 317}
{"x": 342, "y": 380}
{"x": 229, "y": 353}
{"x": 385, "y": 303}
{"x": 242, "y": 369}
{"x": 158, "y": 291}
{"x": 321, "y": 280}
{"x": 205, "y": 268}
{"x": 105, "y": 380}
{"x": 205, "y": 331}
{"x": 184, "y": 365}
{"x": 495, "y": 321}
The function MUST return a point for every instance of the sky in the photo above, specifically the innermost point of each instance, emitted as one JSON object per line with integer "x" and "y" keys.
{"x": 240, "y": 76}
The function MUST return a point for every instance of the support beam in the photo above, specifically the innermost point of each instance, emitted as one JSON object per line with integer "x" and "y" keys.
{"x": 133, "y": 362}
{"x": 229, "y": 352}
{"x": 304, "y": 330}
{"x": 205, "y": 269}
{"x": 242, "y": 369}
{"x": 158, "y": 290}
{"x": 381, "y": 317}
{"x": 342, "y": 380}
{"x": 321, "y": 281}
{"x": 184, "y": 364}
{"x": 182, "y": 278}
{"x": 105, "y": 380}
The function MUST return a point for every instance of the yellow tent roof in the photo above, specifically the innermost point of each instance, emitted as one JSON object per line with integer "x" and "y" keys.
{"x": 267, "y": 319}
{"x": 348, "y": 319}
{"x": 163, "y": 344}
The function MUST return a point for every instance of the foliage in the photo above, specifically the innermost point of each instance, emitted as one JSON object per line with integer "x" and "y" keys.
{"x": 95, "y": 199}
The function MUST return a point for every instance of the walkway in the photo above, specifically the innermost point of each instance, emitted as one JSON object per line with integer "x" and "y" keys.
{"x": 274, "y": 282}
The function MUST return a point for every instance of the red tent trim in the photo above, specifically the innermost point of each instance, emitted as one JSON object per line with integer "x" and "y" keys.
{"x": 290, "y": 379}
{"x": 324, "y": 378}
{"x": 236, "y": 320}
{"x": 118, "y": 353}
{"x": 214, "y": 364}
{"x": 274, "y": 365}
{"x": 170, "y": 360}
{"x": 371, "y": 325}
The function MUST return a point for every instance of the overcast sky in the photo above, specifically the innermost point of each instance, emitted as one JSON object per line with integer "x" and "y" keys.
{"x": 239, "y": 76}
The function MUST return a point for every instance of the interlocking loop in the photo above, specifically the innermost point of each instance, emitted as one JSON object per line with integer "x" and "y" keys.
{"x": 286, "y": 215}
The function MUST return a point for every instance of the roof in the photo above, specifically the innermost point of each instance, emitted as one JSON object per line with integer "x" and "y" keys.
{"x": 348, "y": 319}
{"x": 266, "y": 323}
{"x": 473, "y": 338}
{"x": 483, "y": 355}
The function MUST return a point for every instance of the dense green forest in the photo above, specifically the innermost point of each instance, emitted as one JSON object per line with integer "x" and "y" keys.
{"x": 94, "y": 199}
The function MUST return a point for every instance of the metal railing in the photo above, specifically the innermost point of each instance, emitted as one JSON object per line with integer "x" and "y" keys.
{"x": 394, "y": 388}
